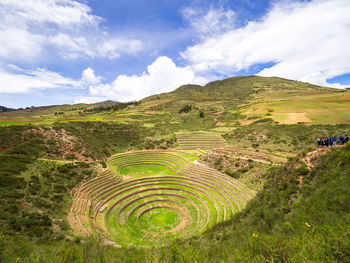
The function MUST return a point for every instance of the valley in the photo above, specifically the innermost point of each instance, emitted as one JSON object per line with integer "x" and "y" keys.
{"x": 229, "y": 171}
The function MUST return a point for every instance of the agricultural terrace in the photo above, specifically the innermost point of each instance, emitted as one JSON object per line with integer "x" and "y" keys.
{"x": 148, "y": 198}
{"x": 201, "y": 140}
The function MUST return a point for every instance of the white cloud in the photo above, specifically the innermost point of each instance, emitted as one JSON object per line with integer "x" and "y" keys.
{"x": 161, "y": 76}
{"x": 19, "y": 44}
{"x": 209, "y": 22}
{"x": 24, "y": 81}
{"x": 71, "y": 47}
{"x": 88, "y": 76}
{"x": 60, "y": 12}
{"x": 111, "y": 48}
{"x": 63, "y": 27}
{"x": 89, "y": 100}
{"x": 307, "y": 41}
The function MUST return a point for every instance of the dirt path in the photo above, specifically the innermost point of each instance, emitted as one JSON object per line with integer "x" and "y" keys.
{"x": 255, "y": 156}
{"x": 311, "y": 156}
{"x": 52, "y": 160}
{"x": 63, "y": 161}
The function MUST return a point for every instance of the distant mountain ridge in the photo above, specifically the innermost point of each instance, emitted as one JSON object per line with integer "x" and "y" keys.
{"x": 245, "y": 99}
{"x": 227, "y": 92}
{"x": 5, "y": 109}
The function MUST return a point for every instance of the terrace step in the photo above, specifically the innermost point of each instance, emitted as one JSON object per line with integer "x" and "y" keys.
{"x": 198, "y": 197}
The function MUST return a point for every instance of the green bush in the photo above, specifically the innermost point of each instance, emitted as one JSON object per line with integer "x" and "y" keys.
{"x": 303, "y": 170}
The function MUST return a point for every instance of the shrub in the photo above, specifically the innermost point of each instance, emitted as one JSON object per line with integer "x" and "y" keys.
{"x": 103, "y": 163}
{"x": 185, "y": 109}
{"x": 303, "y": 170}
{"x": 243, "y": 170}
{"x": 232, "y": 174}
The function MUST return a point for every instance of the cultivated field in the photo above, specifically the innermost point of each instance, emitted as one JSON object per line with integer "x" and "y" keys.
{"x": 201, "y": 140}
{"x": 295, "y": 106}
{"x": 152, "y": 197}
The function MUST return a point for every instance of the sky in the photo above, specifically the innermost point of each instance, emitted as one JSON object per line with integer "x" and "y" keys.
{"x": 64, "y": 51}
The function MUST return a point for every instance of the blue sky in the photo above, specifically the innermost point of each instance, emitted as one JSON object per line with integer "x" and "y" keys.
{"x": 66, "y": 51}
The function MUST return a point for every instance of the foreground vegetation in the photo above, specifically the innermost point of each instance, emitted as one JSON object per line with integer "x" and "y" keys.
{"x": 286, "y": 222}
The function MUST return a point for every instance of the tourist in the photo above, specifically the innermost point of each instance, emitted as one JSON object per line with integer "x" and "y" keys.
{"x": 319, "y": 142}
{"x": 332, "y": 141}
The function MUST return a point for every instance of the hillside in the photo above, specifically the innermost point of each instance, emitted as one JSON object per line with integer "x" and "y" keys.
{"x": 223, "y": 103}
{"x": 285, "y": 222}
{"x": 227, "y": 172}
{"x": 5, "y": 109}
{"x": 228, "y": 93}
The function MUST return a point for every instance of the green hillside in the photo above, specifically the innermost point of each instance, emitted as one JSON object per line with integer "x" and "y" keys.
{"x": 227, "y": 172}
{"x": 286, "y": 222}
{"x": 229, "y": 92}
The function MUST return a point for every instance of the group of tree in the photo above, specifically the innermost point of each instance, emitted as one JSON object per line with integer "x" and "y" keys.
{"x": 116, "y": 107}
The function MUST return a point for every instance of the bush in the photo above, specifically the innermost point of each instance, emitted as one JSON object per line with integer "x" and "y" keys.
{"x": 185, "y": 109}
{"x": 303, "y": 170}
{"x": 103, "y": 163}
{"x": 232, "y": 174}
{"x": 243, "y": 170}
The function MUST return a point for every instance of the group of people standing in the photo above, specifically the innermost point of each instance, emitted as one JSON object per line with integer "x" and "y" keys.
{"x": 332, "y": 141}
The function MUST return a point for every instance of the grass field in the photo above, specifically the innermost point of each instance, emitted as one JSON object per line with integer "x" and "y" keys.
{"x": 149, "y": 198}
{"x": 285, "y": 107}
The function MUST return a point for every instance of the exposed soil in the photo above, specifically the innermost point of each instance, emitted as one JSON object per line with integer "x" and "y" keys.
{"x": 126, "y": 177}
{"x": 2, "y": 119}
{"x": 220, "y": 124}
{"x": 66, "y": 144}
{"x": 312, "y": 156}
{"x": 181, "y": 225}
{"x": 255, "y": 156}
{"x": 116, "y": 118}
{"x": 295, "y": 117}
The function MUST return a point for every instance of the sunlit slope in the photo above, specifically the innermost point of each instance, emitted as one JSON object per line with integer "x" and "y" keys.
{"x": 53, "y": 113}
{"x": 221, "y": 103}
{"x": 317, "y": 106}
{"x": 229, "y": 92}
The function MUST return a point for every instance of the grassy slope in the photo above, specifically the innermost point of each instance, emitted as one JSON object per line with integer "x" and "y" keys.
{"x": 222, "y": 103}
{"x": 286, "y": 222}
{"x": 35, "y": 194}
{"x": 300, "y": 105}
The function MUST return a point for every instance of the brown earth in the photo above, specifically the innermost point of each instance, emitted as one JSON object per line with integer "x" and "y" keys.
{"x": 64, "y": 142}
{"x": 2, "y": 119}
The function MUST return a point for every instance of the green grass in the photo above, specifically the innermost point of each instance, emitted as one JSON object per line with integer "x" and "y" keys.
{"x": 191, "y": 156}
{"x": 284, "y": 223}
{"x": 145, "y": 170}
{"x": 120, "y": 210}
{"x": 327, "y": 107}
{"x": 159, "y": 220}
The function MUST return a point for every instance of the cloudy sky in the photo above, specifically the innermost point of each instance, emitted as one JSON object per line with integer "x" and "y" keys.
{"x": 66, "y": 51}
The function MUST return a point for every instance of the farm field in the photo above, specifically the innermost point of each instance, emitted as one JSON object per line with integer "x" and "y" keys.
{"x": 201, "y": 140}
{"x": 149, "y": 198}
{"x": 288, "y": 107}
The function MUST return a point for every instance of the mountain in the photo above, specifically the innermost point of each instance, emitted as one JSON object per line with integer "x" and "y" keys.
{"x": 5, "y": 109}
{"x": 254, "y": 98}
{"x": 246, "y": 99}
